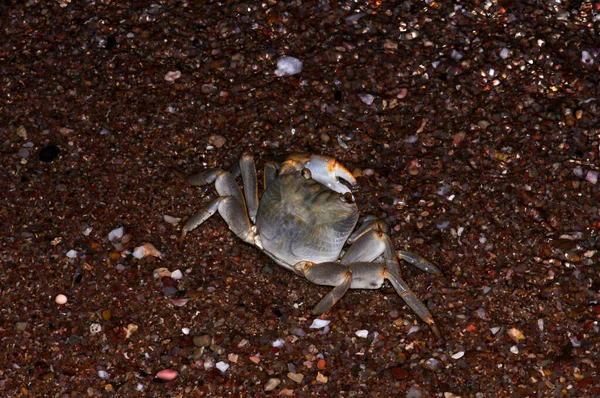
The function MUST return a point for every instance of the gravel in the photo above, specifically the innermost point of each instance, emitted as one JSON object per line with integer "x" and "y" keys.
{"x": 476, "y": 124}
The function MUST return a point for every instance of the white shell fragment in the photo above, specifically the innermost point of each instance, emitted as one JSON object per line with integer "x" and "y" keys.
{"x": 72, "y": 253}
{"x": 288, "y": 66}
{"x": 514, "y": 349}
{"x": 362, "y": 333}
{"x": 147, "y": 249}
{"x": 278, "y": 343}
{"x": 171, "y": 220}
{"x": 95, "y": 328}
{"x": 222, "y": 366}
{"x": 103, "y": 374}
{"x": 116, "y": 233}
{"x": 495, "y": 329}
{"x": 172, "y": 76}
{"x": 458, "y": 355}
{"x": 319, "y": 323}
{"x": 587, "y": 58}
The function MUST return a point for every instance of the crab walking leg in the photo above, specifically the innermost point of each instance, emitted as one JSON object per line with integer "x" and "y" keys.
{"x": 369, "y": 247}
{"x": 204, "y": 214}
{"x": 234, "y": 214}
{"x": 250, "y": 184}
{"x": 418, "y": 261}
{"x": 412, "y": 301}
{"x": 327, "y": 274}
{"x": 369, "y": 223}
{"x": 224, "y": 183}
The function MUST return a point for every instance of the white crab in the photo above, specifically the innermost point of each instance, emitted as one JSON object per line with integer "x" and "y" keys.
{"x": 303, "y": 220}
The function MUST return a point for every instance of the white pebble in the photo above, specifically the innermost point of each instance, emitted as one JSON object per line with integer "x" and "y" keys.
{"x": 287, "y": 66}
{"x": 95, "y": 328}
{"x": 504, "y": 53}
{"x": 103, "y": 374}
{"x": 592, "y": 177}
{"x": 540, "y": 323}
{"x": 366, "y": 98}
{"x": 222, "y": 366}
{"x": 587, "y": 58}
{"x": 362, "y": 333}
{"x": 87, "y": 231}
{"x": 176, "y": 274}
{"x": 495, "y": 329}
{"x": 116, "y": 233}
{"x": 456, "y": 55}
{"x": 185, "y": 331}
{"x": 319, "y": 323}
{"x": 458, "y": 355}
{"x": 60, "y": 299}
{"x": 414, "y": 392}
{"x": 278, "y": 343}
{"x": 514, "y": 349}
{"x": 72, "y": 253}
{"x": 171, "y": 219}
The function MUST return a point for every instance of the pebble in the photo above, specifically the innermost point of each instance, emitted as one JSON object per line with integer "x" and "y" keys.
{"x": 586, "y": 58}
{"x": 458, "y": 355}
{"x": 366, "y": 98}
{"x": 95, "y": 328}
{"x": 515, "y": 335}
{"x": 72, "y": 253}
{"x": 177, "y": 274}
{"x": 103, "y": 374}
{"x": 171, "y": 76}
{"x": 116, "y": 233}
{"x": 321, "y": 378}
{"x": 495, "y": 329}
{"x": 271, "y": 384}
{"x": 414, "y": 392}
{"x": 167, "y": 374}
{"x": 147, "y": 249}
{"x": 514, "y": 349}
{"x": 288, "y": 66}
{"x": 61, "y": 299}
{"x": 217, "y": 140}
{"x": 222, "y": 366}
{"x": 504, "y": 53}
{"x": 106, "y": 314}
{"x": 202, "y": 341}
{"x": 592, "y": 177}
{"x": 362, "y": 333}
{"x": 161, "y": 272}
{"x": 319, "y": 323}
{"x": 20, "y": 326}
{"x": 171, "y": 220}
{"x": 278, "y": 343}
{"x": 297, "y": 377}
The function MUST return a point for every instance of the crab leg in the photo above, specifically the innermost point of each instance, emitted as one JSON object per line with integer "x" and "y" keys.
{"x": 204, "y": 214}
{"x": 418, "y": 261}
{"x": 360, "y": 275}
{"x": 250, "y": 184}
{"x": 412, "y": 301}
{"x": 270, "y": 174}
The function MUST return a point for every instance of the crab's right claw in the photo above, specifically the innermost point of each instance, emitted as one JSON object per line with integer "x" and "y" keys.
{"x": 327, "y": 171}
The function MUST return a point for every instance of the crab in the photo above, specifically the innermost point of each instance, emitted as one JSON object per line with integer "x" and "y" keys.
{"x": 306, "y": 222}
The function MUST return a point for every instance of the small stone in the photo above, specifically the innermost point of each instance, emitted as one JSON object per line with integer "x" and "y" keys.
{"x": 587, "y": 58}
{"x": 362, "y": 333}
{"x": 592, "y": 177}
{"x": 458, "y": 355}
{"x": 288, "y": 66}
{"x": 297, "y": 377}
{"x": 202, "y": 341}
{"x": 72, "y": 253}
{"x": 319, "y": 323}
{"x": 217, "y": 140}
{"x": 106, "y": 314}
{"x": 321, "y": 378}
{"x": 171, "y": 220}
{"x": 22, "y": 132}
{"x": 233, "y": 357}
{"x": 366, "y": 98}
{"x": 103, "y": 374}
{"x": 515, "y": 335}
{"x": 60, "y": 299}
{"x": 95, "y": 328}
{"x": 514, "y": 349}
{"x": 172, "y": 76}
{"x": 147, "y": 249}
{"x": 222, "y": 366}
{"x": 483, "y": 124}
{"x": 504, "y": 53}
{"x": 272, "y": 384}
{"x": 20, "y": 326}
{"x": 177, "y": 274}
{"x": 161, "y": 272}
{"x": 116, "y": 233}
{"x": 167, "y": 374}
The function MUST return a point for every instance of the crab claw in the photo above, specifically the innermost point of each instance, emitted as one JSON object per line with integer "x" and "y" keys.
{"x": 327, "y": 170}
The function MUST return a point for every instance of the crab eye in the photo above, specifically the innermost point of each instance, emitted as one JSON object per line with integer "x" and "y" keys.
{"x": 306, "y": 173}
{"x": 347, "y": 198}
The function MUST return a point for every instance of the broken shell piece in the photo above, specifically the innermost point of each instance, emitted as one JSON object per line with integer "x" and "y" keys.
{"x": 319, "y": 323}
{"x": 171, "y": 219}
{"x": 116, "y": 233}
{"x": 515, "y": 335}
{"x": 147, "y": 249}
